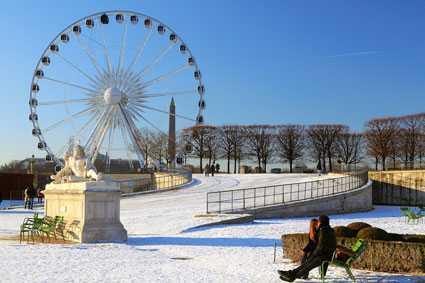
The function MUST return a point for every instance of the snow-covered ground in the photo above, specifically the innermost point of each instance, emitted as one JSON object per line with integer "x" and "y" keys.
{"x": 162, "y": 247}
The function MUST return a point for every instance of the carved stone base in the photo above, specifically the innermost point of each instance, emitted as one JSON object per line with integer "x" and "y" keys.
{"x": 91, "y": 209}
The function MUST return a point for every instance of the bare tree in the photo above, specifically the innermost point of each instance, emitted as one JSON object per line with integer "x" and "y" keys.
{"x": 409, "y": 137}
{"x": 260, "y": 143}
{"x": 323, "y": 142}
{"x": 212, "y": 146}
{"x": 160, "y": 147}
{"x": 290, "y": 143}
{"x": 225, "y": 137}
{"x": 239, "y": 146}
{"x": 316, "y": 141}
{"x": 146, "y": 141}
{"x": 380, "y": 137}
{"x": 350, "y": 147}
{"x": 14, "y": 166}
{"x": 200, "y": 136}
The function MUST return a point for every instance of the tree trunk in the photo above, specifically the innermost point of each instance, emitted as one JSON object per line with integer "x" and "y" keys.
{"x": 290, "y": 166}
{"x": 228, "y": 163}
{"x": 259, "y": 163}
{"x": 383, "y": 163}
{"x": 330, "y": 162}
{"x": 376, "y": 163}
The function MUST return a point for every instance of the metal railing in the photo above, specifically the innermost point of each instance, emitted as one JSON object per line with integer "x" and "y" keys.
{"x": 235, "y": 200}
{"x": 173, "y": 177}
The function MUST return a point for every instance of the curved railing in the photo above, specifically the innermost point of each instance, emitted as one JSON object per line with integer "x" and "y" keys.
{"x": 235, "y": 200}
{"x": 159, "y": 179}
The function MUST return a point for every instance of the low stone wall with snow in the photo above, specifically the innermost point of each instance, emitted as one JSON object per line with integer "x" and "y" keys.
{"x": 359, "y": 200}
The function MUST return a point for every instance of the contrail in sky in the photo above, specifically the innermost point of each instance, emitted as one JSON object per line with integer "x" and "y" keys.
{"x": 342, "y": 55}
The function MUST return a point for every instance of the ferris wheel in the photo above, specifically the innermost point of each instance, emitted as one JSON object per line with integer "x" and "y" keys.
{"x": 106, "y": 77}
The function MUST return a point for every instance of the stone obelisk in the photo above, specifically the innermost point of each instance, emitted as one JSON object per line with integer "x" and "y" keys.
{"x": 172, "y": 133}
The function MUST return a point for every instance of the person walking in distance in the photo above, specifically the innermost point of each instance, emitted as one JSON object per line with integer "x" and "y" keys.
{"x": 324, "y": 250}
{"x": 319, "y": 169}
{"x": 207, "y": 170}
{"x": 31, "y": 195}
{"x": 39, "y": 195}
{"x": 26, "y": 198}
{"x": 212, "y": 170}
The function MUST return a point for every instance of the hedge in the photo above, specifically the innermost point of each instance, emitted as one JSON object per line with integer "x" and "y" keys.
{"x": 388, "y": 256}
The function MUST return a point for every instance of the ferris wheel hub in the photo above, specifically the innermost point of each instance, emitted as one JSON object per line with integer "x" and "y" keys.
{"x": 112, "y": 96}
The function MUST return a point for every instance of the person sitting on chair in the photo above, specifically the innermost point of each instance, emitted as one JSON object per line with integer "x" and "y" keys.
{"x": 324, "y": 250}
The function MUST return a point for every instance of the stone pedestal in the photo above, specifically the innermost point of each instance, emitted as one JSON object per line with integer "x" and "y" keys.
{"x": 91, "y": 209}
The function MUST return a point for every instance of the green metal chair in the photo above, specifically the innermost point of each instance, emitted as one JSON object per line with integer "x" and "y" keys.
{"x": 48, "y": 228}
{"x": 29, "y": 227}
{"x": 403, "y": 214}
{"x": 60, "y": 229}
{"x": 358, "y": 248}
{"x": 412, "y": 216}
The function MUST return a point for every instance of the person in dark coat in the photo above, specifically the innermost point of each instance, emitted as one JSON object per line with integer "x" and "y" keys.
{"x": 31, "y": 195}
{"x": 324, "y": 250}
{"x": 212, "y": 170}
{"x": 319, "y": 168}
{"x": 312, "y": 243}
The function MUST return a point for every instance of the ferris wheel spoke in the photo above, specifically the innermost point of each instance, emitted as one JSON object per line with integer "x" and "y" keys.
{"x": 101, "y": 138}
{"x": 147, "y": 121}
{"x": 154, "y": 61}
{"x": 127, "y": 146}
{"x": 73, "y": 117}
{"x": 140, "y": 51}
{"x": 79, "y": 133}
{"x": 71, "y": 101}
{"x": 99, "y": 120}
{"x": 73, "y": 85}
{"x": 141, "y": 96}
{"x": 126, "y": 129}
{"x": 136, "y": 87}
{"x": 112, "y": 131}
{"x": 165, "y": 112}
{"x": 124, "y": 38}
{"x": 90, "y": 57}
{"x": 164, "y": 76}
{"x": 105, "y": 47}
{"x": 79, "y": 70}
{"x": 91, "y": 39}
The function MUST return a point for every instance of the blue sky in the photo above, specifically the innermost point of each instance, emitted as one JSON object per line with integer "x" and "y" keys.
{"x": 263, "y": 62}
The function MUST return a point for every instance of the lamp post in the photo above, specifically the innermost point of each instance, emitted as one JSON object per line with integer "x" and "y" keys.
{"x": 32, "y": 163}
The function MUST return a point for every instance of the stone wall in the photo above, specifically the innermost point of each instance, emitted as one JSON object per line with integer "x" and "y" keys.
{"x": 358, "y": 200}
{"x": 398, "y": 187}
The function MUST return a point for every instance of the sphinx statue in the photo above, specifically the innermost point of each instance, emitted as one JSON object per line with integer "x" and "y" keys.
{"x": 77, "y": 168}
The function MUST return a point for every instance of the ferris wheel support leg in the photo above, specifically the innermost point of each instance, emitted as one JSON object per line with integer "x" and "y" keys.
{"x": 102, "y": 138}
{"x": 131, "y": 134}
{"x": 96, "y": 128}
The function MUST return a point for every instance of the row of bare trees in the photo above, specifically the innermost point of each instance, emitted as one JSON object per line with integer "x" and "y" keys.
{"x": 266, "y": 144}
{"x": 397, "y": 139}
